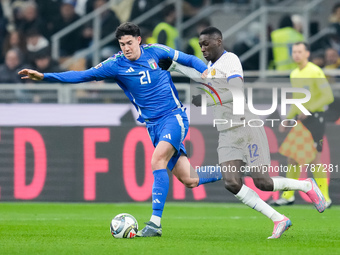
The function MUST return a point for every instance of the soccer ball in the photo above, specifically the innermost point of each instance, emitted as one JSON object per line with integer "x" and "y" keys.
{"x": 124, "y": 225}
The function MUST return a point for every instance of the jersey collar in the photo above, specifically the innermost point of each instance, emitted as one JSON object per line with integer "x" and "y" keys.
{"x": 224, "y": 52}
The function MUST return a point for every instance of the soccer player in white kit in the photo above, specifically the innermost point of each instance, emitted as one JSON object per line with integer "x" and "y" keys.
{"x": 240, "y": 145}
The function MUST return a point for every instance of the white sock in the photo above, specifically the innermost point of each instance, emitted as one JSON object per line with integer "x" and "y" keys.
{"x": 250, "y": 198}
{"x": 285, "y": 184}
{"x": 156, "y": 220}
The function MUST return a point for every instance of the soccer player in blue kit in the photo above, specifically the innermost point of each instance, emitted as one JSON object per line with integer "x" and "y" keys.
{"x": 151, "y": 90}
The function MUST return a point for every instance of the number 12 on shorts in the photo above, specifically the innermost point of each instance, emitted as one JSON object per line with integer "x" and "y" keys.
{"x": 253, "y": 153}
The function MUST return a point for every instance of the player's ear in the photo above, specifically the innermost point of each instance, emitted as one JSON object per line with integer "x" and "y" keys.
{"x": 139, "y": 39}
{"x": 219, "y": 41}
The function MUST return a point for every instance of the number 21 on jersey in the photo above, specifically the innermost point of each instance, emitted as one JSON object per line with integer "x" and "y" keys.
{"x": 145, "y": 78}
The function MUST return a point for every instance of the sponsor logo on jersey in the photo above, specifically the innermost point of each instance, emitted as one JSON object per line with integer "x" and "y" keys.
{"x": 130, "y": 70}
{"x": 213, "y": 72}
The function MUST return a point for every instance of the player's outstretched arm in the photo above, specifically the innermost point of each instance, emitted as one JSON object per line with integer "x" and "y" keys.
{"x": 31, "y": 74}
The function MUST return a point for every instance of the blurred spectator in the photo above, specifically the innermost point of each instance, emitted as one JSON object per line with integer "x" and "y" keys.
{"x": 35, "y": 42}
{"x": 283, "y": 39}
{"x": 193, "y": 47}
{"x": 89, "y": 6}
{"x": 14, "y": 40}
{"x": 335, "y": 15}
{"x": 192, "y": 7}
{"x": 332, "y": 60}
{"x": 165, "y": 32}
{"x": 9, "y": 70}
{"x": 45, "y": 64}
{"x": 139, "y": 7}
{"x": 297, "y": 22}
{"x": 109, "y": 23}
{"x": 3, "y": 24}
{"x": 48, "y": 12}
{"x": 332, "y": 38}
{"x": 31, "y": 20}
{"x": 109, "y": 20}
{"x": 318, "y": 58}
{"x": 3, "y": 31}
{"x": 69, "y": 43}
{"x": 245, "y": 41}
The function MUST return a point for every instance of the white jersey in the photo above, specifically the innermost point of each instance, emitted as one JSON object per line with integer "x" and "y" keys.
{"x": 245, "y": 143}
{"x": 227, "y": 67}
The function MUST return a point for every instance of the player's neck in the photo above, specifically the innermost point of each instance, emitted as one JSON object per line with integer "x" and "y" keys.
{"x": 220, "y": 53}
{"x": 302, "y": 64}
{"x": 139, "y": 54}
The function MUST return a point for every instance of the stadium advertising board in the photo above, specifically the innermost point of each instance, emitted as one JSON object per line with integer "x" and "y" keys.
{"x": 111, "y": 163}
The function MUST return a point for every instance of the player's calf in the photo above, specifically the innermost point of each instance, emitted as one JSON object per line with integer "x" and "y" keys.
{"x": 233, "y": 184}
{"x": 190, "y": 182}
{"x": 265, "y": 184}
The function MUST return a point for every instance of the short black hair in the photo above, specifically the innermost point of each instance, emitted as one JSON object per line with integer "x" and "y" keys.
{"x": 304, "y": 43}
{"x": 211, "y": 31}
{"x": 168, "y": 10}
{"x": 286, "y": 21}
{"x": 127, "y": 28}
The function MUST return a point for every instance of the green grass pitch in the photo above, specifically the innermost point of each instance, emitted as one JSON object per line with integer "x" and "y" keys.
{"x": 188, "y": 228}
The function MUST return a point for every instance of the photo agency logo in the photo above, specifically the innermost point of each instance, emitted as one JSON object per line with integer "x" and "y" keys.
{"x": 233, "y": 100}
{"x": 204, "y": 99}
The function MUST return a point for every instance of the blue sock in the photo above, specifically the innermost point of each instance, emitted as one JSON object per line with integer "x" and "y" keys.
{"x": 209, "y": 174}
{"x": 160, "y": 190}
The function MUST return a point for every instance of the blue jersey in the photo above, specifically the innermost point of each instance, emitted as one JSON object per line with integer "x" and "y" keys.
{"x": 147, "y": 86}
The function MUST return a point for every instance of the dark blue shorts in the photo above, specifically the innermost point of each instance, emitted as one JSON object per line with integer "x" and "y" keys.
{"x": 171, "y": 128}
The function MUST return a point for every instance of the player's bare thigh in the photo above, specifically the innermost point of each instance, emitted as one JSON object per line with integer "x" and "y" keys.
{"x": 161, "y": 155}
{"x": 185, "y": 173}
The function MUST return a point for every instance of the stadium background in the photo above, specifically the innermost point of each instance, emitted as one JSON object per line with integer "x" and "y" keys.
{"x": 82, "y": 143}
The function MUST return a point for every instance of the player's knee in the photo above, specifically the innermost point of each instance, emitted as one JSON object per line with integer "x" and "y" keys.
{"x": 265, "y": 184}
{"x": 233, "y": 185}
{"x": 190, "y": 183}
{"x": 158, "y": 163}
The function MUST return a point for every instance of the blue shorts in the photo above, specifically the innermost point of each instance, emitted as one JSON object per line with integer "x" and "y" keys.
{"x": 171, "y": 128}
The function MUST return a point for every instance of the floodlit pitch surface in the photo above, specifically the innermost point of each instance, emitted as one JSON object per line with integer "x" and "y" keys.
{"x": 188, "y": 228}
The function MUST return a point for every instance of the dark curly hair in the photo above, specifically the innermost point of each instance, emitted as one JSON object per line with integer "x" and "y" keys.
{"x": 127, "y": 28}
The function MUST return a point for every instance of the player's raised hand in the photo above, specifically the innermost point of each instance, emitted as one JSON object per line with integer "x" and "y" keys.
{"x": 31, "y": 74}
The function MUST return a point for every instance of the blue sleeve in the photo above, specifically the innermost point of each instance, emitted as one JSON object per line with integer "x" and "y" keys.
{"x": 70, "y": 76}
{"x": 192, "y": 61}
{"x": 163, "y": 52}
{"x": 102, "y": 71}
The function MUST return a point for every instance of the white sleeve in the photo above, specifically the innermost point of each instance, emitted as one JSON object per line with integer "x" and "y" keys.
{"x": 231, "y": 66}
{"x": 190, "y": 72}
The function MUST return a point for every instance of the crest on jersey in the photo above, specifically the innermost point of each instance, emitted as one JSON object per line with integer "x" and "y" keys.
{"x": 213, "y": 72}
{"x": 152, "y": 63}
